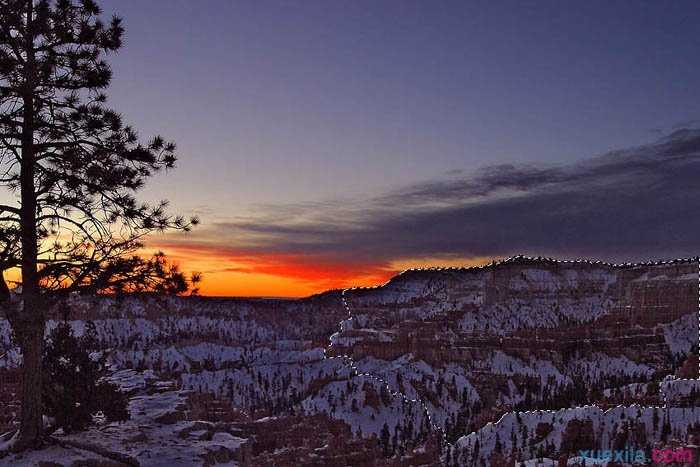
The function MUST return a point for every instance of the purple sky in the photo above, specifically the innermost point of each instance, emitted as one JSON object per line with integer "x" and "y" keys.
{"x": 319, "y": 108}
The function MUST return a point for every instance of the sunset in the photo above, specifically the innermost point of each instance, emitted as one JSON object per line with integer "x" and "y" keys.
{"x": 243, "y": 273}
{"x": 323, "y": 146}
{"x": 349, "y": 233}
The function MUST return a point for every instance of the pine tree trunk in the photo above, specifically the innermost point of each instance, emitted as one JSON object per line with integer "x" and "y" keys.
{"x": 4, "y": 291}
{"x": 30, "y": 321}
{"x": 31, "y": 343}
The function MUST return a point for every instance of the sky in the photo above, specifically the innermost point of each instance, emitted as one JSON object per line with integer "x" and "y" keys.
{"x": 332, "y": 144}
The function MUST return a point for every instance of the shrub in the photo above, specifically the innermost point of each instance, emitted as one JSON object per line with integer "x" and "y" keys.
{"x": 74, "y": 384}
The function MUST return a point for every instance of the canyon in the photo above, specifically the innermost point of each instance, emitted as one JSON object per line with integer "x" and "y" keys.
{"x": 516, "y": 361}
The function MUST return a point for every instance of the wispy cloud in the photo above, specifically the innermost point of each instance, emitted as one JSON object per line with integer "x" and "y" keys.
{"x": 636, "y": 203}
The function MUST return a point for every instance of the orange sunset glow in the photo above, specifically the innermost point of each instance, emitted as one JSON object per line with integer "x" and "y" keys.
{"x": 228, "y": 272}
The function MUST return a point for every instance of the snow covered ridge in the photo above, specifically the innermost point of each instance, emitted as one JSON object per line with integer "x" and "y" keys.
{"x": 539, "y": 260}
{"x": 576, "y": 327}
{"x": 566, "y": 433}
{"x": 680, "y": 391}
{"x": 519, "y": 294}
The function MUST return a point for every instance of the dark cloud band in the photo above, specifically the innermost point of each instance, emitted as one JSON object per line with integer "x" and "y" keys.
{"x": 637, "y": 203}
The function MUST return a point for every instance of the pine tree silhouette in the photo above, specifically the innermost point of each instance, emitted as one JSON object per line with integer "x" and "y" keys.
{"x": 73, "y": 168}
{"x": 384, "y": 440}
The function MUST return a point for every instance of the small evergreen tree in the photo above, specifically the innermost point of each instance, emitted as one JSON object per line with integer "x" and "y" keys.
{"x": 384, "y": 440}
{"x": 499, "y": 447}
{"x": 655, "y": 420}
{"x": 665, "y": 431}
{"x": 74, "y": 385}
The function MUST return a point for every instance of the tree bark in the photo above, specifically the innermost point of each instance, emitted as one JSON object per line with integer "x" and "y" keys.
{"x": 30, "y": 322}
{"x": 31, "y": 345}
{"x": 4, "y": 290}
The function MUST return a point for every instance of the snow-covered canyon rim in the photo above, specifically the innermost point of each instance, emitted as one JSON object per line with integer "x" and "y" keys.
{"x": 431, "y": 355}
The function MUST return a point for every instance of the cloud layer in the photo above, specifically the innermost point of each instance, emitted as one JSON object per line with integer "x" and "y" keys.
{"x": 634, "y": 204}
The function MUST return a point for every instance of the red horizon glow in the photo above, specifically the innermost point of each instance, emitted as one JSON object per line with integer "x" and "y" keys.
{"x": 230, "y": 272}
